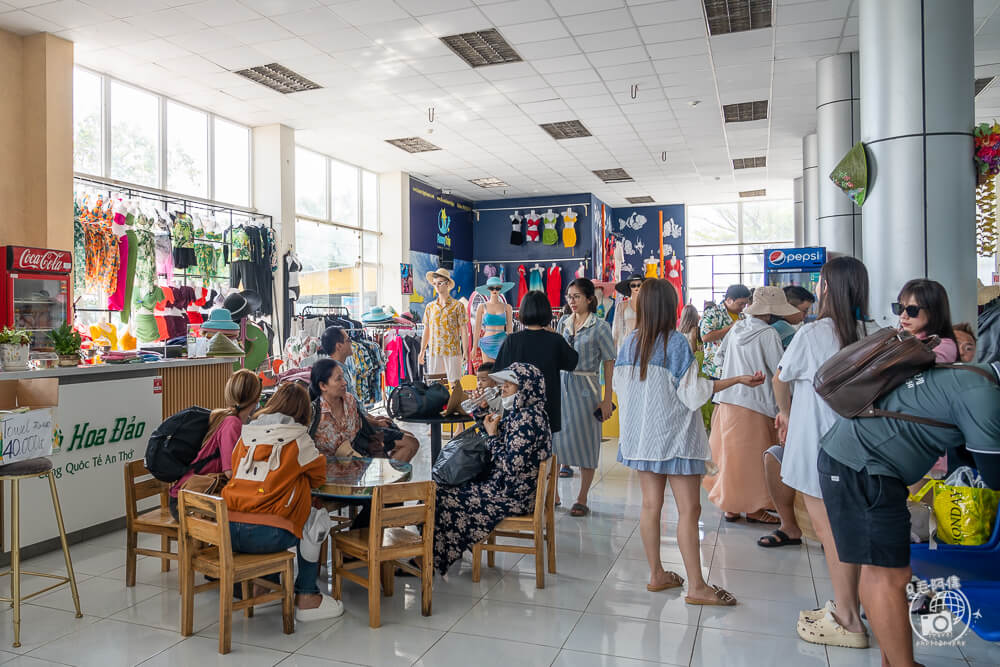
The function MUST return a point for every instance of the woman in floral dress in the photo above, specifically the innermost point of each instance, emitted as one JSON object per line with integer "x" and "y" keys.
{"x": 519, "y": 441}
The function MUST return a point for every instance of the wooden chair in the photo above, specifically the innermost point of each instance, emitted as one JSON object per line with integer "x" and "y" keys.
{"x": 388, "y": 544}
{"x": 156, "y": 520}
{"x": 206, "y": 548}
{"x": 539, "y": 527}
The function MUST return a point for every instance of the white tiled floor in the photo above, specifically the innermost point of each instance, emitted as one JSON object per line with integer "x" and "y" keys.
{"x": 595, "y": 612}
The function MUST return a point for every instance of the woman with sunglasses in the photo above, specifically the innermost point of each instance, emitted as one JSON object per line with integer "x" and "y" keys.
{"x": 625, "y": 313}
{"x": 924, "y": 311}
{"x": 494, "y": 319}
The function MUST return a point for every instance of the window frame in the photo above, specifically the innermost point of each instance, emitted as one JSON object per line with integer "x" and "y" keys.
{"x": 162, "y": 134}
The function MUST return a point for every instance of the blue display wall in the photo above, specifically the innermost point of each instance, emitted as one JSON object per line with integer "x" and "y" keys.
{"x": 639, "y": 229}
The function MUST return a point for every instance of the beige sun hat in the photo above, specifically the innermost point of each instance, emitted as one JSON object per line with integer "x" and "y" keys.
{"x": 770, "y": 300}
{"x": 441, "y": 273}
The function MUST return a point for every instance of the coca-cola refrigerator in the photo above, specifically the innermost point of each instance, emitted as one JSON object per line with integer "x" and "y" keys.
{"x": 35, "y": 290}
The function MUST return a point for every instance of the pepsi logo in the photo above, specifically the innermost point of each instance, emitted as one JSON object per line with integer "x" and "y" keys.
{"x": 777, "y": 257}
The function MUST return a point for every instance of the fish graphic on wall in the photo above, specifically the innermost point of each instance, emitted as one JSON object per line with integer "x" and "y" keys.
{"x": 627, "y": 248}
{"x": 635, "y": 221}
{"x": 671, "y": 229}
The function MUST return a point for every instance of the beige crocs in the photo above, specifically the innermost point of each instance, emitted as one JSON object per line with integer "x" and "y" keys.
{"x": 826, "y": 630}
{"x": 816, "y": 614}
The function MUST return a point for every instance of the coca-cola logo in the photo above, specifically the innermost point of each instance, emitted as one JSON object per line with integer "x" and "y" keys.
{"x": 53, "y": 261}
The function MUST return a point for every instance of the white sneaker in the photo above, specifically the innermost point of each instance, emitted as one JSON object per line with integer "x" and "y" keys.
{"x": 328, "y": 608}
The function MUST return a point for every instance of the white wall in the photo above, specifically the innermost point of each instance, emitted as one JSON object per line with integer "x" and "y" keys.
{"x": 394, "y": 221}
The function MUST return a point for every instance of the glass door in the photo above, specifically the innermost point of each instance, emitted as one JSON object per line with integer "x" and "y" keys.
{"x": 39, "y": 306}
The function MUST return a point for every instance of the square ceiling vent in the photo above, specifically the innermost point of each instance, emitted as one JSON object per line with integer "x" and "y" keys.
{"x": 743, "y": 112}
{"x": 645, "y": 199}
{"x": 726, "y": 16}
{"x": 413, "y": 145}
{"x": 749, "y": 162}
{"x": 566, "y": 129}
{"x": 983, "y": 84}
{"x": 754, "y": 193}
{"x": 482, "y": 48}
{"x": 489, "y": 182}
{"x": 617, "y": 175}
{"x": 279, "y": 78}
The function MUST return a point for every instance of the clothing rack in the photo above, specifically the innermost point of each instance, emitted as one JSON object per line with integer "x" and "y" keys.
{"x": 585, "y": 259}
{"x": 585, "y": 206}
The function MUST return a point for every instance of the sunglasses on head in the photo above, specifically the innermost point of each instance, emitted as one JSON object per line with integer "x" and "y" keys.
{"x": 911, "y": 311}
{"x": 635, "y": 285}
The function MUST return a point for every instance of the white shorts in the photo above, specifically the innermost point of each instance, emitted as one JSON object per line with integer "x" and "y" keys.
{"x": 451, "y": 366}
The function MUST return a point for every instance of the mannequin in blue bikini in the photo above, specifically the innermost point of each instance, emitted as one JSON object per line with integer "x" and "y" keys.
{"x": 494, "y": 319}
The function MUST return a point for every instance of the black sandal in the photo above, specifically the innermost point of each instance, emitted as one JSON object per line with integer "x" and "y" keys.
{"x": 778, "y": 538}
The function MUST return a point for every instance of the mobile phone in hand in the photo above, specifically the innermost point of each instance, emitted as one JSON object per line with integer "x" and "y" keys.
{"x": 597, "y": 413}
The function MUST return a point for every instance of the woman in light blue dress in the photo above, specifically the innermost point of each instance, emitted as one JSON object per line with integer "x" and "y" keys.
{"x": 579, "y": 441}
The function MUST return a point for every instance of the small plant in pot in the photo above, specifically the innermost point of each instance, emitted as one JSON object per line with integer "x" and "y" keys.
{"x": 14, "y": 347}
{"x": 66, "y": 342}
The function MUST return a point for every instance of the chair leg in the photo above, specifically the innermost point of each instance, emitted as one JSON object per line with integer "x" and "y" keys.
{"x": 15, "y": 557}
{"x": 550, "y": 539}
{"x": 131, "y": 542}
{"x": 225, "y": 611}
{"x": 374, "y": 594}
{"x": 491, "y": 557}
{"x": 247, "y": 594}
{"x": 388, "y": 578}
{"x": 539, "y": 556}
{"x": 338, "y": 564}
{"x": 287, "y": 602}
{"x": 426, "y": 580}
{"x": 165, "y": 547}
{"x": 65, "y": 545}
{"x": 187, "y": 597}
{"x": 477, "y": 561}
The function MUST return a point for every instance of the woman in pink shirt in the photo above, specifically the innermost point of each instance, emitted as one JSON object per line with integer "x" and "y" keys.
{"x": 224, "y": 428}
{"x": 924, "y": 311}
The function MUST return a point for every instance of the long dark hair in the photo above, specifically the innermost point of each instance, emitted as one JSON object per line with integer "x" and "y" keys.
{"x": 290, "y": 399}
{"x": 586, "y": 287}
{"x": 845, "y": 297}
{"x": 932, "y": 297}
{"x": 655, "y": 316}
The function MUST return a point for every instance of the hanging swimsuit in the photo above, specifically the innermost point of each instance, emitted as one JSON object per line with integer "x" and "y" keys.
{"x": 536, "y": 281}
{"x": 533, "y": 228}
{"x": 522, "y": 283}
{"x": 490, "y": 345}
{"x": 516, "y": 235}
{"x": 549, "y": 233}
{"x": 554, "y": 288}
{"x": 651, "y": 268}
{"x": 569, "y": 230}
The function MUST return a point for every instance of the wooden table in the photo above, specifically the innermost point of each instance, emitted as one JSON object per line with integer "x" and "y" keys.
{"x": 354, "y": 479}
{"x": 435, "y": 424}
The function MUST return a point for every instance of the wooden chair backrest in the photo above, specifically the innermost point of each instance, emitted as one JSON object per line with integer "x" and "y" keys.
{"x": 140, "y": 490}
{"x": 541, "y": 487}
{"x": 204, "y": 518}
{"x": 553, "y": 481}
{"x": 420, "y": 514}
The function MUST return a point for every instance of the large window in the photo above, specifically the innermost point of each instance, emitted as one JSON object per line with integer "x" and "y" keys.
{"x": 726, "y": 242}
{"x": 336, "y": 233}
{"x": 132, "y": 135}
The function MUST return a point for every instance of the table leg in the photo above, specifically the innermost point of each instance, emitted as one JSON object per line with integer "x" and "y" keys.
{"x": 435, "y": 442}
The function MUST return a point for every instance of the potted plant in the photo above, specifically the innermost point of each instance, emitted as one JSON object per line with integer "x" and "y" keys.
{"x": 66, "y": 342}
{"x": 14, "y": 347}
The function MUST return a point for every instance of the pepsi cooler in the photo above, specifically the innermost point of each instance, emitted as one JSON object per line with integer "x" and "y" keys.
{"x": 794, "y": 266}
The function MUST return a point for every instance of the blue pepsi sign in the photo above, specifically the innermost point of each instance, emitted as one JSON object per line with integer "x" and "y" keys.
{"x": 794, "y": 259}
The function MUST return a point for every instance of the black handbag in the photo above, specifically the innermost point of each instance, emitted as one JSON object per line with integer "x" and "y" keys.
{"x": 416, "y": 400}
{"x": 374, "y": 441}
{"x": 465, "y": 459}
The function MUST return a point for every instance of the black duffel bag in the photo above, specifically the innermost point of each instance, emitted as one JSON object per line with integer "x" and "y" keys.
{"x": 466, "y": 458}
{"x": 416, "y": 400}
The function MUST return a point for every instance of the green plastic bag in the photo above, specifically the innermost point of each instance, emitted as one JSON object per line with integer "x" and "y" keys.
{"x": 964, "y": 514}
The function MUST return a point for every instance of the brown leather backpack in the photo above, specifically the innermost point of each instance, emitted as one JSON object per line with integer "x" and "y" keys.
{"x": 853, "y": 379}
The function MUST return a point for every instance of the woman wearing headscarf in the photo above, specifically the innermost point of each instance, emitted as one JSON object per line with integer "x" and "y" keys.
{"x": 519, "y": 440}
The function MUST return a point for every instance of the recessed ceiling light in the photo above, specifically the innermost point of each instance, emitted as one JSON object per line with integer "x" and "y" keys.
{"x": 490, "y": 182}
{"x": 749, "y": 162}
{"x": 481, "y": 48}
{"x": 983, "y": 84}
{"x": 694, "y": 103}
{"x": 566, "y": 129}
{"x": 754, "y": 193}
{"x": 279, "y": 78}
{"x": 726, "y": 16}
{"x": 413, "y": 145}
{"x": 742, "y": 112}
{"x": 616, "y": 175}
{"x": 645, "y": 199}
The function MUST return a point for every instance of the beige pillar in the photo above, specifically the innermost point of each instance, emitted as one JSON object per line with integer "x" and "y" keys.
{"x": 394, "y": 222}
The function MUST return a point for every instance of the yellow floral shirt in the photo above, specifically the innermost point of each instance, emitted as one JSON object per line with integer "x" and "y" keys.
{"x": 444, "y": 324}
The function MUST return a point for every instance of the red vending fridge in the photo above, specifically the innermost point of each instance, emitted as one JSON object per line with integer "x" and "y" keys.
{"x": 35, "y": 290}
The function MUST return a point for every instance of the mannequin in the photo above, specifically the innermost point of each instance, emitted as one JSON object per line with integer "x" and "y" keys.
{"x": 444, "y": 345}
{"x": 494, "y": 319}
{"x": 549, "y": 233}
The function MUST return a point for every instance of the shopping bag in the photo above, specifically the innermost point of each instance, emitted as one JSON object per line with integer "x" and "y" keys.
{"x": 464, "y": 459}
{"x": 964, "y": 509}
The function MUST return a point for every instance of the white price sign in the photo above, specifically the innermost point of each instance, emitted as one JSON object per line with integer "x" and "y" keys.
{"x": 26, "y": 435}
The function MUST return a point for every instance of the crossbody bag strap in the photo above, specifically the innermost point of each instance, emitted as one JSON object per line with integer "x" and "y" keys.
{"x": 875, "y": 412}
{"x": 975, "y": 369}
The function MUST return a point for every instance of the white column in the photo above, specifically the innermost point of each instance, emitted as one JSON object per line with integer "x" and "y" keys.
{"x": 810, "y": 191}
{"x": 838, "y": 128}
{"x": 394, "y": 248}
{"x": 917, "y": 115}
{"x": 798, "y": 213}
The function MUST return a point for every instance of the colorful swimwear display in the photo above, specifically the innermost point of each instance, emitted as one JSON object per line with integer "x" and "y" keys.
{"x": 534, "y": 227}
{"x": 536, "y": 280}
{"x": 549, "y": 235}
{"x": 569, "y": 228}
{"x": 516, "y": 235}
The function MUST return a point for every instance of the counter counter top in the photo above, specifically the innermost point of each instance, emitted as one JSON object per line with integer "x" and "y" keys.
{"x": 101, "y": 370}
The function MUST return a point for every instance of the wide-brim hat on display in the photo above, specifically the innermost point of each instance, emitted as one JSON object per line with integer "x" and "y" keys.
{"x": 377, "y": 315}
{"x": 494, "y": 282}
{"x": 622, "y": 286}
{"x": 441, "y": 273}
{"x": 221, "y": 346}
{"x": 770, "y": 300}
{"x": 505, "y": 375}
{"x": 242, "y": 304}
{"x": 220, "y": 319}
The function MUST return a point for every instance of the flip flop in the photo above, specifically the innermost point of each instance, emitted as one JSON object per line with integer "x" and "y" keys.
{"x": 731, "y": 519}
{"x": 778, "y": 538}
{"x": 565, "y": 471}
{"x": 721, "y": 598}
{"x": 677, "y": 582}
{"x": 579, "y": 510}
{"x": 769, "y": 518}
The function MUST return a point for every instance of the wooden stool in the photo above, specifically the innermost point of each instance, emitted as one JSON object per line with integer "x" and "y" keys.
{"x": 14, "y": 473}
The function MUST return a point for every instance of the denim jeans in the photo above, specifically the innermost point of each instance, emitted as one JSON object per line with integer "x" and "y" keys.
{"x": 252, "y": 538}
